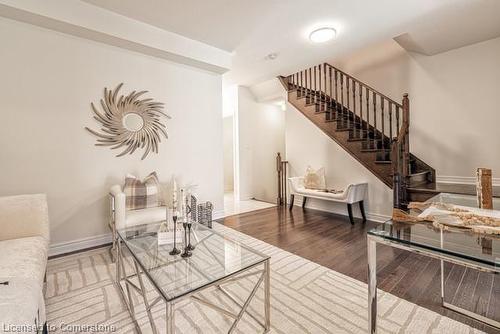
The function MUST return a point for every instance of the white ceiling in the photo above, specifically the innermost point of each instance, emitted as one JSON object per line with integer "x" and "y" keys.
{"x": 254, "y": 28}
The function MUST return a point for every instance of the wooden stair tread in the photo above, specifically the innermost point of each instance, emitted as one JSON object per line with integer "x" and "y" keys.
{"x": 452, "y": 188}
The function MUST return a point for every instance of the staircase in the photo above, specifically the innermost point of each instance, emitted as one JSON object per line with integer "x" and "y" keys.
{"x": 373, "y": 128}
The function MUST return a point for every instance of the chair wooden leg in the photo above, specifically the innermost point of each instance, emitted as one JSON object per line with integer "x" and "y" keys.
{"x": 349, "y": 210}
{"x": 292, "y": 198}
{"x": 304, "y": 202}
{"x": 362, "y": 209}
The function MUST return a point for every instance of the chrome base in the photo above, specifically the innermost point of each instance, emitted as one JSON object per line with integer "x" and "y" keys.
{"x": 263, "y": 274}
{"x": 372, "y": 242}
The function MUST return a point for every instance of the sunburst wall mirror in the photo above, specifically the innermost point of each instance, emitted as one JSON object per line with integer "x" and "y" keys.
{"x": 129, "y": 123}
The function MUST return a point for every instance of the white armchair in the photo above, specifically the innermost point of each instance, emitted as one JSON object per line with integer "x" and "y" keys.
{"x": 353, "y": 193}
{"x": 121, "y": 217}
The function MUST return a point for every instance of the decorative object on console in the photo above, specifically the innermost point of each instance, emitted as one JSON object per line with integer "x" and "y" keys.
{"x": 484, "y": 188}
{"x": 315, "y": 179}
{"x": 205, "y": 214}
{"x": 446, "y": 216}
{"x": 174, "y": 250}
{"x": 193, "y": 208}
{"x": 142, "y": 194}
{"x": 129, "y": 122}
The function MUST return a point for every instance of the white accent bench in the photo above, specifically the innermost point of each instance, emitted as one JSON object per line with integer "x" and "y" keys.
{"x": 353, "y": 193}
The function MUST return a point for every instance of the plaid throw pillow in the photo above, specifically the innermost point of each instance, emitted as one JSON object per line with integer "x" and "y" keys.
{"x": 142, "y": 194}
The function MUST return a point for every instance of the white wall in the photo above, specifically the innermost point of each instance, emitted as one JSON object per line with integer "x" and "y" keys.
{"x": 48, "y": 82}
{"x": 228, "y": 153}
{"x": 261, "y": 128}
{"x": 454, "y": 109}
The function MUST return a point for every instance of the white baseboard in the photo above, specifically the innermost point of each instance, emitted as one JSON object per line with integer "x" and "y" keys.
{"x": 218, "y": 214}
{"x": 98, "y": 240}
{"x": 463, "y": 179}
{"x": 75, "y": 245}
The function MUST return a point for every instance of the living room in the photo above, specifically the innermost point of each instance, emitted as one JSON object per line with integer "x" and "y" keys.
{"x": 142, "y": 191}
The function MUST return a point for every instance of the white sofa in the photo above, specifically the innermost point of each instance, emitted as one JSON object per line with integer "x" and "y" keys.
{"x": 24, "y": 240}
{"x": 353, "y": 193}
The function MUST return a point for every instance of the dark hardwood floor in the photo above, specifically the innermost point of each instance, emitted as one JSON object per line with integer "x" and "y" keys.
{"x": 333, "y": 242}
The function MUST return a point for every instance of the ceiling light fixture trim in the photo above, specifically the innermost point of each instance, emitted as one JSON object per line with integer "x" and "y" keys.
{"x": 322, "y": 35}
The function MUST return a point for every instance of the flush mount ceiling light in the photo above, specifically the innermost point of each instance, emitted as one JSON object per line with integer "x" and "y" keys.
{"x": 322, "y": 35}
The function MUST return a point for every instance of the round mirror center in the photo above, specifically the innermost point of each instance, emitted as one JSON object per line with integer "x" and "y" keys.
{"x": 133, "y": 122}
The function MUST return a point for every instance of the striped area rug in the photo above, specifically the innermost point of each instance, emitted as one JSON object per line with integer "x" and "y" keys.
{"x": 305, "y": 298}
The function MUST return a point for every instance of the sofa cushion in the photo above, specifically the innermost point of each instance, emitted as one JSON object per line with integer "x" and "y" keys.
{"x": 322, "y": 194}
{"x": 22, "y": 308}
{"x": 24, "y": 258}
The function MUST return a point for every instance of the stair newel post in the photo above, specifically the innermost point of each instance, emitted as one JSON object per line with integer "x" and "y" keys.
{"x": 279, "y": 200}
{"x": 397, "y": 186}
{"x": 406, "y": 124}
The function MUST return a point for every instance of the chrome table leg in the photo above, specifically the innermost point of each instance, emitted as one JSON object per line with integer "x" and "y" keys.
{"x": 267, "y": 296}
{"x": 372, "y": 285}
{"x": 170, "y": 318}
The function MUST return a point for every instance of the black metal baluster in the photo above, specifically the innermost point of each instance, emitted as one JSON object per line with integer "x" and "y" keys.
{"x": 356, "y": 121}
{"x": 390, "y": 120}
{"x": 318, "y": 107}
{"x": 382, "y": 102}
{"x": 314, "y": 89}
{"x": 361, "y": 110}
{"x": 341, "y": 99}
{"x": 330, "y": 105}
{"x": 367, "y": 117}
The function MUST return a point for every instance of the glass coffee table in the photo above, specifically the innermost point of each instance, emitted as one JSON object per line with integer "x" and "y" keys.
{"x": 454, "y": 245}
{"x": 216, "y": 261}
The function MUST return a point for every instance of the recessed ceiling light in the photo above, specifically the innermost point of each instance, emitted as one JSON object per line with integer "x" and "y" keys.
{"x": 322, "y": 35}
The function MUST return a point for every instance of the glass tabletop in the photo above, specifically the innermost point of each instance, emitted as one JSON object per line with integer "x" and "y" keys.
{"x": 468, "y": 246}
{"x": 215, "y": 257}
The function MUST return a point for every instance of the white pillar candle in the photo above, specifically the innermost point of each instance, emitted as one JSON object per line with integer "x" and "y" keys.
{"x": 174, "y": 196}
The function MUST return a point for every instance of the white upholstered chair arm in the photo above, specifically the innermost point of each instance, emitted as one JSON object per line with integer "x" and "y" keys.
{"x": 24, "y": 216}
{"x": 296, "y": 184}
{"x": 356, "y": 192}
{"x": 118, "y": 205}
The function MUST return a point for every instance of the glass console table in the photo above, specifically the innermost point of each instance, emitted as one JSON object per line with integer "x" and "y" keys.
{"x": 454, "y": 245}
{"x": 216, "y": 262}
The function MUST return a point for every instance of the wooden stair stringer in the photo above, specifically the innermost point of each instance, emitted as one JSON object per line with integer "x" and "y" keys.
{"x": 382, "y": 171}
